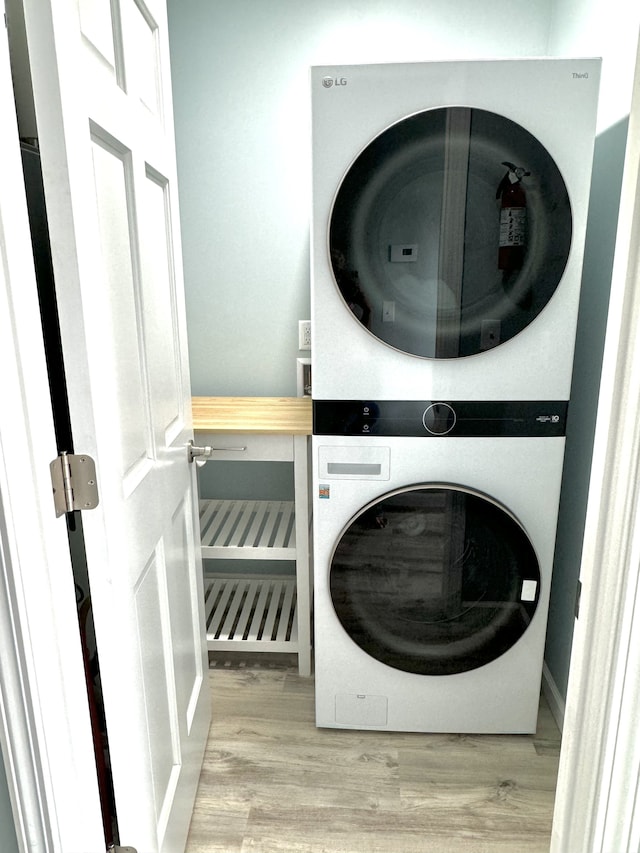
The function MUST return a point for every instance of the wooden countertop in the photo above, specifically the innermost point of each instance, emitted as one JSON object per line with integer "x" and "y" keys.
{"x": 257, "y": 415}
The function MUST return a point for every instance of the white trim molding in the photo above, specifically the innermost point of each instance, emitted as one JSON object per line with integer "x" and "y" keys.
{"x": 597, "y": 791}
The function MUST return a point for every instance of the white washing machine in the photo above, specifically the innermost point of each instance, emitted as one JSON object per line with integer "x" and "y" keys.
{"x": 434, "y": 531}
{"x": 449, "y": 209}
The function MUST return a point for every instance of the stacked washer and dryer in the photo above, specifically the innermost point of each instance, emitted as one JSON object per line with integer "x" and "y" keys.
{"x": 449, "y": 211}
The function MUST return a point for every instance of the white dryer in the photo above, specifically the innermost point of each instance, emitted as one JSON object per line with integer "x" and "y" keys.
{"x": 434, "y": 529}
{"x": 449, "y": 209}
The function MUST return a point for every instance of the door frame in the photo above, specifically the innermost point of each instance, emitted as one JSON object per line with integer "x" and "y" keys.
{"x": 597, "y": 797}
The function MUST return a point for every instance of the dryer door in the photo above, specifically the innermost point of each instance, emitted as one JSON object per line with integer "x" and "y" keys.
{"x": 434, "y": 580}
{"x": 450, "y": 232}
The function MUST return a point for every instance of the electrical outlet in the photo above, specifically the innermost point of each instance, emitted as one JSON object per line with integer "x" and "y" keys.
{"x": 304, "y": 334}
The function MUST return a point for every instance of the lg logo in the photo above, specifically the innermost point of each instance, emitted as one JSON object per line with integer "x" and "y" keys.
{"x": 328, "y": 82}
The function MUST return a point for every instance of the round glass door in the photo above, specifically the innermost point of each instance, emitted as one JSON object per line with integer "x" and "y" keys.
{"x": 434, "y": 580}
{"x": 450, "y": 232}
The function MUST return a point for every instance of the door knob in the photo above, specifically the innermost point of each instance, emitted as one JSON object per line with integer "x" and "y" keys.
{"x": 199, "y": 455}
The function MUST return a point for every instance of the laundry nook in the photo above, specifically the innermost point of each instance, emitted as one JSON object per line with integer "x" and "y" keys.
{"x": 318, "y": 448}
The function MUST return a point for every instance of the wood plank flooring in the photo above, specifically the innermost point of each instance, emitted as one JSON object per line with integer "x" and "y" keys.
{"x": 273, "y": 783}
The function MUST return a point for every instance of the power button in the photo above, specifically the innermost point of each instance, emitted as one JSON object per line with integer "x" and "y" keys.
{"x": 439, "y": 418}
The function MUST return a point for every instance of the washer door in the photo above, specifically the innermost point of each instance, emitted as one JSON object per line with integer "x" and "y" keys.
{"x": 438, "y": 246}
{"x": 434, "y": 580}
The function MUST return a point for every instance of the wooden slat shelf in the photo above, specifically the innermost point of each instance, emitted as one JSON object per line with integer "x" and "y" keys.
{"x": 247, "y": 530}
{"x": 254, "y": 613}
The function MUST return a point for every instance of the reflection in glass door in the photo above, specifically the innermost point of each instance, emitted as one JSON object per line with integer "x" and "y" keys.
{"x": 434, "y": 580}
{"x": 450, "y": 232}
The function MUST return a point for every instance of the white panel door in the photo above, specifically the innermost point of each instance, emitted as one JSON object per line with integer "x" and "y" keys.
{"x": 103, "y": 107}
{"x": 45, "y": 730}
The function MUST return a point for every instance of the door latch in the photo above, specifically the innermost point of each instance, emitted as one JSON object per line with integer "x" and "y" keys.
{"x": 199, "y": 455}
{"x": 73, "y": 477}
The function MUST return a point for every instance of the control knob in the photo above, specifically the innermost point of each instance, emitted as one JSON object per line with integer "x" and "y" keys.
{"x": 439, "y": 418}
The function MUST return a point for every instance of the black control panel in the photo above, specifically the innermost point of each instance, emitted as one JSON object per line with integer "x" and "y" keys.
{"x": 439, "y": 418}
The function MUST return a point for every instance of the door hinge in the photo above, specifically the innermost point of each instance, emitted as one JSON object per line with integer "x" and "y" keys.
{"x": 73, "y": 477}
{"x": 578, "y": 594}
{"x": 115, "y": 848}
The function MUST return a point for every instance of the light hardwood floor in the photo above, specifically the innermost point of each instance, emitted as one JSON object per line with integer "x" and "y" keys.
{"x": 273, "y": 783}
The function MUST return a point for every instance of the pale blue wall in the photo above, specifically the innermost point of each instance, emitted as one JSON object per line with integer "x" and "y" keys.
{"x": 589, "y": 28}
{"x": 601, "y": 231}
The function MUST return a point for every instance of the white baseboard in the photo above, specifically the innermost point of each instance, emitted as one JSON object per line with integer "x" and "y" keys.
{"x": 553, "y": 696}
